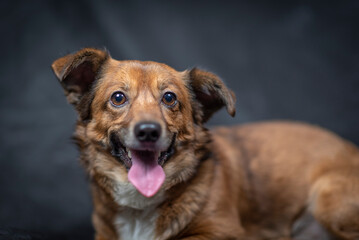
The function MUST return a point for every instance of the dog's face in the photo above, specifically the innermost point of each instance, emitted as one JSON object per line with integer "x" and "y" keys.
{"x": 142, "y": 118}
{"x": 141, "y": 115}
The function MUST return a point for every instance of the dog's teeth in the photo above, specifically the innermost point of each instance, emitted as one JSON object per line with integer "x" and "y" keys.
{"x": 127, "y": 150}
{"x": 129, "y": 154}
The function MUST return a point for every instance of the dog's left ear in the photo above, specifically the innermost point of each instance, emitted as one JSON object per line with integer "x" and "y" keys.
{"x": 211, "y": 93}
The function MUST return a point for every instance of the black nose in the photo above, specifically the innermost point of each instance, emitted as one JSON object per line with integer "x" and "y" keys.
{"x": 147, "y": 131}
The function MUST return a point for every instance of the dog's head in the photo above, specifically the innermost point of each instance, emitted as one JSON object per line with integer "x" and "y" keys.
{"x": 143, "y": 118}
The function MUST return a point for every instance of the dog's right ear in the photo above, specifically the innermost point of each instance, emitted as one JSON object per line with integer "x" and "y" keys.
{"x": 78, "y": 71}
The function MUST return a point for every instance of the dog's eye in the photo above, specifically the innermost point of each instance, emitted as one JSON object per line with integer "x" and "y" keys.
{"x": 117, "y": 99}
{"x": 169, "y": 98}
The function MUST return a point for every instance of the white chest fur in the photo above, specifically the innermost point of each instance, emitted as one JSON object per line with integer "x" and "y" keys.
{"x": 133, "y": 224}
{"x": 137, "y": 219}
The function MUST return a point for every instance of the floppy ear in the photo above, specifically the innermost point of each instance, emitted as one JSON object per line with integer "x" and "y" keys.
{"x": 78, "y": 71}
{"x": 211, "y": 93}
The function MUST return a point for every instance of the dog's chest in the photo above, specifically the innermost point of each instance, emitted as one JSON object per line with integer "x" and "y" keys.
{"x": 136, "y": 224}
{"x": 137, "y": 219}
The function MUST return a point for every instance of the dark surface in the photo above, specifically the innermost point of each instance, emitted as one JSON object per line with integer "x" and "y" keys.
{"x": 284, "y": 59}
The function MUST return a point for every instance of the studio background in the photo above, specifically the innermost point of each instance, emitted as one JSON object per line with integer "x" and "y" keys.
{"x": 296, "y": 60}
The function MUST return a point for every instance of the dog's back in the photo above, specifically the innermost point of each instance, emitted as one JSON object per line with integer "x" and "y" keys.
{"x": 279, "y": 167}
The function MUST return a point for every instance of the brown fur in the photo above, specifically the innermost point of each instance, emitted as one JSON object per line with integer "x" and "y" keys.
{"x": 245, "y": 182}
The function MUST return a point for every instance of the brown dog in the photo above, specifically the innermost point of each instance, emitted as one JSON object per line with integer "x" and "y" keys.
{"x": 157, "y": 173}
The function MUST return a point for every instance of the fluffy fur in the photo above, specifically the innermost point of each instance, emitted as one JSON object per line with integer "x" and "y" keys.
{"x": 244, "y": 182}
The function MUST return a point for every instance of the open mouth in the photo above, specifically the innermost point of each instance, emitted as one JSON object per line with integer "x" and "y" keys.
{"x": 144, "y": 167}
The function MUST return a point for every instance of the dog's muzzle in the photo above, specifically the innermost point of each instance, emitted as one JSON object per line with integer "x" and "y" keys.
{"x": 144, "y": 164}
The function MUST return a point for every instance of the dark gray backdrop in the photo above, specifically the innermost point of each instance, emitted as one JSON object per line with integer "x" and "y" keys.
{"x": 284, "y": 60}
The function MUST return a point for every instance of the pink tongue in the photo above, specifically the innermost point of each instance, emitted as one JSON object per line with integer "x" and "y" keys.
{"x": 145, "y": 174}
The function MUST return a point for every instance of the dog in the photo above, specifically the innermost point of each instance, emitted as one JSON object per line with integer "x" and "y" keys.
{"x": 157, "y": 173}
